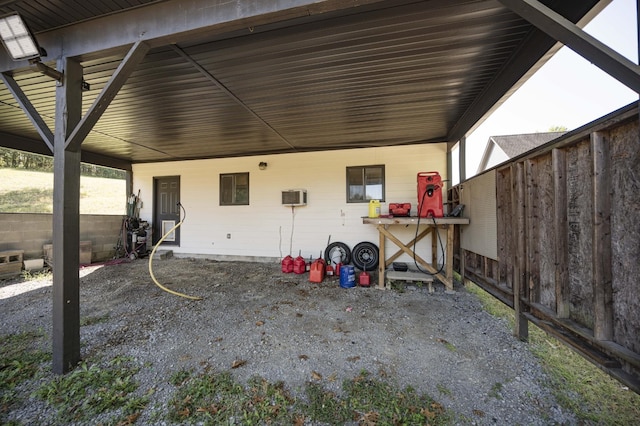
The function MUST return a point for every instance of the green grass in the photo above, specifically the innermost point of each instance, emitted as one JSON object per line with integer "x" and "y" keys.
{"x": 579, "y": 386}
{"x": 93, "y": 389}
{"x": 216, "y": 398}
{"x": 20, "y": 360}
{"x": 32, "y": 192}
{"x": 27, "y": 200}
{"x": 601, "y": 399}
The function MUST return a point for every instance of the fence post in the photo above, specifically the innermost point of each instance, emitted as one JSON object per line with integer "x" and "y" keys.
{"x": 521, "y": 328}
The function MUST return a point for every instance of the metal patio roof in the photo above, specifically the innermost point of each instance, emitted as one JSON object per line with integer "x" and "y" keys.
{"x": 263, "y": 77}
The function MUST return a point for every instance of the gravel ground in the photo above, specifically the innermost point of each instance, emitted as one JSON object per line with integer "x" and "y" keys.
{"x": 287, "y": 328}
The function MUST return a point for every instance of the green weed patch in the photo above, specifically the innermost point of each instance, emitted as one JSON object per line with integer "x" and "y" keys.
{"x": 215, "y": 398}
{"x": 20, "y": 360}
{"x": 95, "y": 389}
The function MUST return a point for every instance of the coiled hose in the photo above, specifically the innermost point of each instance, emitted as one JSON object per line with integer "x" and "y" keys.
{"x": 153, "y": 277}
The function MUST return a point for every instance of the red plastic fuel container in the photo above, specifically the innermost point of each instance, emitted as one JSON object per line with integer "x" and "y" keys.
{"x": 287, "y": 264}
{"x": 364, "y": 279}
{"x": 316, "y": 274}
{"x": 299, "y": 265}
{"x": 430, "y": 195}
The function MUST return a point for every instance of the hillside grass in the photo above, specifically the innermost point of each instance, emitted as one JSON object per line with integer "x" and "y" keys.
{"x": 32, "y": 192}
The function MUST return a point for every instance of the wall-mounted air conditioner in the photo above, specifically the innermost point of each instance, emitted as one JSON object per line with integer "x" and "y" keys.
{"x": 294, "y": 197}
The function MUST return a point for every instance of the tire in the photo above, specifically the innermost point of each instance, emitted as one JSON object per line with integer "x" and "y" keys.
{"x": 345, "y": 252}
{"x": 365, "y": 256}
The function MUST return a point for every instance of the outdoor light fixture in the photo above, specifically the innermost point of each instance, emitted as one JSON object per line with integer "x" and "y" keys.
{"x": 262, "y": 165}
{"x": 17, "y": 38}
{"x": 22, "y": 45}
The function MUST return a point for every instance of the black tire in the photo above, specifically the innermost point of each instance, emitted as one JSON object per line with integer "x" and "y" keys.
{"x": 345, "y": 252}
{"x": 365, "y": 256}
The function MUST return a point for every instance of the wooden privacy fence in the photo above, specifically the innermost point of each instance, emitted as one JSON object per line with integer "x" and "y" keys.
{"x": 567, "y": 227}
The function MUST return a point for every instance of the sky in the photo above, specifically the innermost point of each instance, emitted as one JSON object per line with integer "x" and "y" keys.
{"x": 567, "y": 91}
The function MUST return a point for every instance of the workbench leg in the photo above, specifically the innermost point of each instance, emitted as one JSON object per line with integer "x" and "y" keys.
{"x": 449, "y": 260}
{"x": 382, "y": 261}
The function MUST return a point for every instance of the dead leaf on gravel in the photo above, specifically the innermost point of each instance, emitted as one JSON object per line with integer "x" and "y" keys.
{"x": 316, "y": 376}
{"x": 212, "y": 409}
{"x": 478, "y": 413}
{"x": 259, "y": 323}
{"x": 353, "y": 358}
{"x": 437, "y": 407}
{"x": 333, "y": 377}
{"x": 131, "y": 419}
{"x": 298, "y": 420}
{"x": 238, "y": 363}
{"x": 303, "y": 357}
{"x": 369, "y": 419}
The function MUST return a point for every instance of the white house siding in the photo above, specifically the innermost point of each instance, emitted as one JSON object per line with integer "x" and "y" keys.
{"x": 263, "y": 229}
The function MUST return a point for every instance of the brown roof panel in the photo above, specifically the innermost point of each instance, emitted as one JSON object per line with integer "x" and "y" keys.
{"x": 385, "y": 73}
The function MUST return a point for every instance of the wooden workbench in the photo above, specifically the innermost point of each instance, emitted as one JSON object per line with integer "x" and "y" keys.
{"x": 430, "y": 224}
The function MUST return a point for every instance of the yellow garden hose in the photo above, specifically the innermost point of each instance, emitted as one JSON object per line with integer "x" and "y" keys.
{"x": 153, "y": 277}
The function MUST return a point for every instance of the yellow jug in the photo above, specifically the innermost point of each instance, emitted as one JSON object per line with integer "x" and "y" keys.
{"x": 374, "y": 208}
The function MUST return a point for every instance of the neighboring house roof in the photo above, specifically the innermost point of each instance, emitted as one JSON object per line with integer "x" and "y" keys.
{"x": 514, "y": 145}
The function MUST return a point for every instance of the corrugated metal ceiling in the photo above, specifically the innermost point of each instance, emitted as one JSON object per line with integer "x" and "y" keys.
{"x": 386, "y": 74}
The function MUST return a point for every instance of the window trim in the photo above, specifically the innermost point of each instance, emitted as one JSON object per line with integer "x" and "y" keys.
{"x": 363, "y": 168}
{"x": 234, "y": 176}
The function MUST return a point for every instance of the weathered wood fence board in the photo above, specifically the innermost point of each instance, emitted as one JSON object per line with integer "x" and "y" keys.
{"x": 579, "y": 211}
{"x": 568, "y": 242}
{"x": 625, "y": 234}
{"x": 505, "y": 213}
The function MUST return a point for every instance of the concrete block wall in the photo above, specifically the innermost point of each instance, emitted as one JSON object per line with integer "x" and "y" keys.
{"x": 31, "y": 231}
{"x": 103, "y": 231}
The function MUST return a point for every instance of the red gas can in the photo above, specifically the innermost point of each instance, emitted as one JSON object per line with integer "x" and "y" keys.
{"x": 430, "y": 194}
{"x": 299, "y": 265}
{"x": 400, "y": 209}
{"x": 316, "y": 274}
{"x": 287, "y": 264}
{"x": 364, "y": 279}
{"x": 329, "y": 270}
